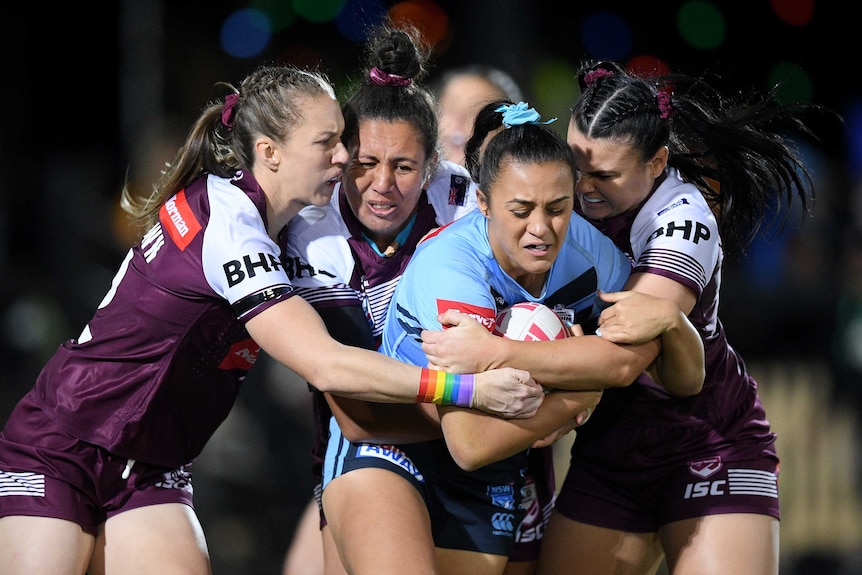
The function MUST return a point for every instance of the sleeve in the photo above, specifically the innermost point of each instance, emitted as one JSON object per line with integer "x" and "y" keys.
{"x": 435, "y": 280}
{"x": 240, "y": 261}
{"x": 318, "y": 258}
{"x": 451, "y": 192}
{"x": 678, "y": 239}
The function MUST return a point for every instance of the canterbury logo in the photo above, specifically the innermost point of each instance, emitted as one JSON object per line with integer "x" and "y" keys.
{"x": 504, "y": 522}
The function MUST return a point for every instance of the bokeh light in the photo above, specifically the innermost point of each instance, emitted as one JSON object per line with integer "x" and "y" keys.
{"x": 555, "y": 88}
{"x": 648, "y": 66}
{"x": 318, "y": 10}
{"x": 427, "y": 16}
{"x": 853, "y": 120}
{"x": 793, "y": 83}
{"x": 358, "y": 17}
{"x": 280, "y": 13}
{"x": 701, "y": 25}
{"x": 607, "y": 36}
{"x": 793, "y": 12}
{"x": 245, "y": 33}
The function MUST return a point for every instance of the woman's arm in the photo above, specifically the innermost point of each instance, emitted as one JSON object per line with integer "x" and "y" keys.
{"x": 476, "y": 439}
{"x": 634, "y": 331}
{"x": 293, "y": 334}
{"x": 366, "y": 421}
{"x": 658, "y": 306}
{"x": 575, "y": 363}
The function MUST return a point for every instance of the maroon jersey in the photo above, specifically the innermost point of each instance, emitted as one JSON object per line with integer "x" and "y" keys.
{"x": 159, "y": 366}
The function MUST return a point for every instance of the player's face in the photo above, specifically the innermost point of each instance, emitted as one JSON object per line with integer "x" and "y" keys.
{"x": 612, "y": 180}
{"x": 383, "y": 182}
{"x": 459, "y": 103}
{"x": 528, "y": 211}
{"x": 313, "y": 156}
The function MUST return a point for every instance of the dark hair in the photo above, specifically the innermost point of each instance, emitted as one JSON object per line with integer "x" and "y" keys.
{"x": 399, "y": 52}
{"x": 221, "y": 141}
{"x": 522, "y": 143}
{"x": 735, "y": 152}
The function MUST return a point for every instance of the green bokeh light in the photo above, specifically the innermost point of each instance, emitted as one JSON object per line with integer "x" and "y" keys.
{"x": 702, "y": 25}
{"x": 555, "y": 89}
{"x": 281, "y": 14}
{"x": 318, "y": 10}
{"x": 793, "y": 82}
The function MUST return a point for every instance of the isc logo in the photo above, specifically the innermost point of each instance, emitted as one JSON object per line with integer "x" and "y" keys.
{"x": 704, "y": 488}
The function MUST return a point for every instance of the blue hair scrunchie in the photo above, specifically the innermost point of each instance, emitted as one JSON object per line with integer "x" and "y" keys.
{"x": 520, "y": 114}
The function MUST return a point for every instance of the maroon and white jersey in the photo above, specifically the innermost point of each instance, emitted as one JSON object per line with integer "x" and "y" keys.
{"x": 675, "y": 235}
{"x": 159, "y": 366}
{"x": 331, "y": 264}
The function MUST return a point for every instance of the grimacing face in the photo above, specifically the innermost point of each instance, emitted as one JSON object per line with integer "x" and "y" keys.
{"x": 528, "y": 211}
{"x": 612, "y": 180}
{"x": 384, "y": 179}
{"x": 315, "y": 145}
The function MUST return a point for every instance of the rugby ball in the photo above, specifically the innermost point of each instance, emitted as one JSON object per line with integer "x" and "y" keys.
{"x": 528, "y": 321}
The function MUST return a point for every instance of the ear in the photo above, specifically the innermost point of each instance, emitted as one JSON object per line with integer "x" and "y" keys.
{"x": 430, "y": 168}
{"x": 482, "y": 200}
{"x": 658, "y": 162}
{"x": 267, "y": 153}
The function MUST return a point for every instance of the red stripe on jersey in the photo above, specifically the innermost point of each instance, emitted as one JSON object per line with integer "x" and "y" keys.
{"x": 484, "y": 315}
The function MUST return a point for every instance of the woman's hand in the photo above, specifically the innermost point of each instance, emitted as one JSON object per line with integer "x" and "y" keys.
{"x": 636, "y": 317}
{"x": 463, "y": 346}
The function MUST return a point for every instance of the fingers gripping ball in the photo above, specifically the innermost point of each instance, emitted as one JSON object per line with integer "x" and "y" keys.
{"x": 528, "y": 321}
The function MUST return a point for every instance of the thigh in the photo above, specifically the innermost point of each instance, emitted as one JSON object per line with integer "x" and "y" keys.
{"x": 43, "y": 545}
{"x": 155, "y": 539}
{"x": 305, "y": 554}
{"x": 331, "y": 561}
{"x": 459, "y": 562}
{"x": 720, "y": 544}
{"x": 520, "y": 568}
{"x": 576, "y": 548}
{"x": 379, "y": 523}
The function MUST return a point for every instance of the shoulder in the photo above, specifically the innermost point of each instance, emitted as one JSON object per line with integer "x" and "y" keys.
{"x": 451, "y": 192}
{"x": 675, "y": 198}
{"x": 317, "y": 222}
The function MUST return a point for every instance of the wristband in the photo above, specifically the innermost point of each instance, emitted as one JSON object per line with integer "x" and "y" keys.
{"x": 445, "y": 388}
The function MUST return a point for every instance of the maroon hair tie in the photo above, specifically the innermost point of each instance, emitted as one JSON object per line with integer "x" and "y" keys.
{"x": 594, "y": 75}
{"x": 664, "y": 106}
{"x": 228, "y": 111}
{"x": 381, "y": 78}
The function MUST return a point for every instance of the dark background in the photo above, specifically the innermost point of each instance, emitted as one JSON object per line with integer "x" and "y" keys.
{"x": 93, "y": 95}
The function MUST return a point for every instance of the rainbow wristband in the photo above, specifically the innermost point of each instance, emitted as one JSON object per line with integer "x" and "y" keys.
{"x": 445, "y": 388}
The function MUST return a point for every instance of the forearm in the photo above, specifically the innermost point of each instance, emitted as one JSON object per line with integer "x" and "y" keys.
{"x": 476, "y": 439}
{"x": 680, "y": 367}
{"x": 368, "y": 422}
{"x": 577, "y": 363}
{"x": 364, "y": 374}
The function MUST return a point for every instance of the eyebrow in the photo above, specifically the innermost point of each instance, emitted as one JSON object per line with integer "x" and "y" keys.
{"x": 398, "y": 159}
{"x": 523, "y": 202}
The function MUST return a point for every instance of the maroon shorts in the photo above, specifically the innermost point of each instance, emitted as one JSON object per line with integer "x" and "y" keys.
{"x": 637, "y": 479}
{"x": 46, "y": 473}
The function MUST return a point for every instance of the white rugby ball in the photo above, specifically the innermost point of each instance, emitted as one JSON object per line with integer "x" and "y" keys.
{"x": 528, "y": 321}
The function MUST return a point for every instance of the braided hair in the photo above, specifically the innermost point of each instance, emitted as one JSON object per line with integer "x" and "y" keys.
{"x": 735, "y": 152}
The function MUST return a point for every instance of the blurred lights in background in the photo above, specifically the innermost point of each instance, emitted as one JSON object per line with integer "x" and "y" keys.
{"x": 701, "y": 25}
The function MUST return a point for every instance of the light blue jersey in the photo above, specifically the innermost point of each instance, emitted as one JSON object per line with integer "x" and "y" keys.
{"x": 456, "y": 269}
